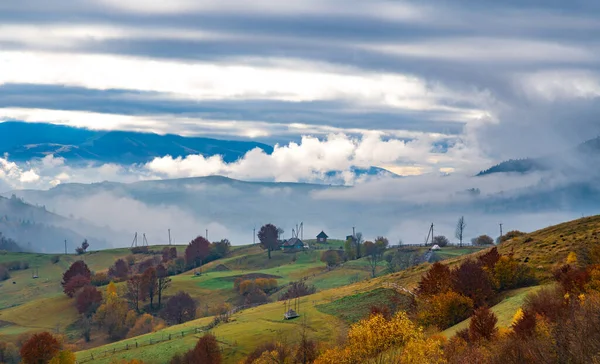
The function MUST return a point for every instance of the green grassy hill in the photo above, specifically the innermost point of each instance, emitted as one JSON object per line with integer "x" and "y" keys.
{"x": 344, "y": 294}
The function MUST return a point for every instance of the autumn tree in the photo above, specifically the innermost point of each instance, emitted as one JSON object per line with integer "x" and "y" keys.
{"x": 82, "y": 249}
{"x": 150, "y": 284}
{"x": 490, "y": 258}
{"x": 445, "y": 309}
{"x": 162, "y": 282}
{"x": 222, "y": 247}
{"x": 145, "y": 324}
{"x": 169, "y": 253}
{"x": 196, "y": 251}
{"x": 64, "y": 357}
{"x": 120, "y": 270}
{"x": 112, "y": 314}
{"x": 438, "y": 279}
{"x": 331, "y": 258}
{"x": 40, "y": 348}
{"x": 75, "y": 284}
{"x": 206, "y": 351}
{"x": 483, "y": 240}
{"x": 483, "y": 324}
{"x": 460, "y": 230}
{"x": 179, "y": 309}
{"x": 77, "y": 268}
{"x": 88, "y": 300}
{"x": 471, "y": 280}
{"x": 135, "y": 292}
{"x": 268, "y": 238}
{"x": 441, "y": 241}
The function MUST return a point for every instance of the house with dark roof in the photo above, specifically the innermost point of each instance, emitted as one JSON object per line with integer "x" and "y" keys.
{"x": 322, "y": 237}
{"x": 293, "y": 244}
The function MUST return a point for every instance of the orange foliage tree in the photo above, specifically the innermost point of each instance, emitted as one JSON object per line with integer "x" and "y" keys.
{"x": 40, "y": 348}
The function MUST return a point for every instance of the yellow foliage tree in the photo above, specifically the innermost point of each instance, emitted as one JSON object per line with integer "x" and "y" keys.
{"x": 445, "y": 309}
{"x": 111, "y": 291}
{"x": 64, "y": 357}
{"x": 371, "y": 337}
{"x": 572, "y": 258}
{"x": 426, "y": 351}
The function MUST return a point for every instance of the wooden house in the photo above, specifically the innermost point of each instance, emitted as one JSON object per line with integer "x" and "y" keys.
{"x": 322, "y": 237}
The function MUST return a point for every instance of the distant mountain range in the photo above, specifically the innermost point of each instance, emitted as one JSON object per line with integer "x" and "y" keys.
{"x": 34, "y": 228}
{"x": 26, "y": 141}
{"x": 582, "y": 157}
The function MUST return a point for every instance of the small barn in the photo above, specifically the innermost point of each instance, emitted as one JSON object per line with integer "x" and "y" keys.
{"x": 293, "y": 244}
{"x": 435, "y": 247}
{"x": 322, "y": 237}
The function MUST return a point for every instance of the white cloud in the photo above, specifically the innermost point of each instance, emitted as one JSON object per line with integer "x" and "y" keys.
{"x": 283, "y": 80}
{"x": 552, "y": 85}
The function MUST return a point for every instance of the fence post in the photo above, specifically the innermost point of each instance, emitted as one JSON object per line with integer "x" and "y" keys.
{"x": 136, "y": 344}
{"x": 127, "y": 347}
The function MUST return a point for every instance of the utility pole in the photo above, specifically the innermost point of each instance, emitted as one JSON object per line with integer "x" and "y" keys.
{"x": 254, "y": 236}
{"x": 501, "y": 232}
{"x": 169, "y": 236}
{"x": 206, "y": 234}
{"x": 353, "y": 233}
{"x": 65, "y": 246}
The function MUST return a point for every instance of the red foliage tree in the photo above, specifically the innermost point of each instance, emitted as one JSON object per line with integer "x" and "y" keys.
{"x": 77, "y": 268}
{"x": 40, "y": 348}
{"x": 471, "y": 280}
{"x": 150, "y": 284}
{"x": 571, "y": 279}
{"x": 206, "y": 351}
{"x": 179, "y": 309}
{"x": 269, "y": 238}
{"x": 490, "y": 258}
{"x": 169, "y": 254}
{"x": 483, "y": 324}
{"x": 120, "y": 270}
{"x": 196, "y": 251}
{"x": 525, "y": 326}
{"x": 88, "y": 300}
{"x": 75, "y": 284}
{"x": 437, "y": 280}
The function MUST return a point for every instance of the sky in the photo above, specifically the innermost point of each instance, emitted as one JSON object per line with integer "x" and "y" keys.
{"x": 416, "y": 87}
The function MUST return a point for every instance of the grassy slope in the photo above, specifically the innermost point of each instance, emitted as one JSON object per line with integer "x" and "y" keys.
{"x": 505, "y": 310}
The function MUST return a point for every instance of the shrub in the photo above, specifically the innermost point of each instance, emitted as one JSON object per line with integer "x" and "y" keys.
{"x": 145, "y": 324}
{"x": 511, "y": 235}
{"x": 445, "y": 309}
{"x": 55, "y": 259}
{"x": 509, "y": 274}
{"x": 483, "y": 325}
{"x": 140, "y": 250}
{"x": 490, "y": 258}
{"x": 99, "y": 279}
{"x": 441, "y": 241}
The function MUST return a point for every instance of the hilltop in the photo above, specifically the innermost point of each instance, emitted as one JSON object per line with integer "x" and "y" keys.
{"x": 581, "y": 157}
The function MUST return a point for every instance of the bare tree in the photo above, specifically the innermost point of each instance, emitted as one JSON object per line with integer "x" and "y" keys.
{"x": 358, "y": 240}
{"x": 460, "y": 229}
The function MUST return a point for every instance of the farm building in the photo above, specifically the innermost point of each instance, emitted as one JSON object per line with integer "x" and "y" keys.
{"x": 322, "y": 237}
{"x": 293, "y": 244}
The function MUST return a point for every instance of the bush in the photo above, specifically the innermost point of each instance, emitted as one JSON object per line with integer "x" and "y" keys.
{"x": 55, "y": 259}
{"x": 179, "y": 309}
{"x": 445, "y": 310}
{"x": 441, "y": 241}
{"x": 40, "y": 348}
{"x": 471, "y": 280}
{"x": 88, "y": 300}
{"x": 206, "y": 351}
{"x": 510, "y": 235}
{"x": 331, "y": 258}
{"x": 99, "y": 279}
{"x": 483, "y": 325}
{"x": 140, "y": 250}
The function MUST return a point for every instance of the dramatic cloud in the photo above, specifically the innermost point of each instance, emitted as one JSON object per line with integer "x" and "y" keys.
{"x": 447, "y": 87}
